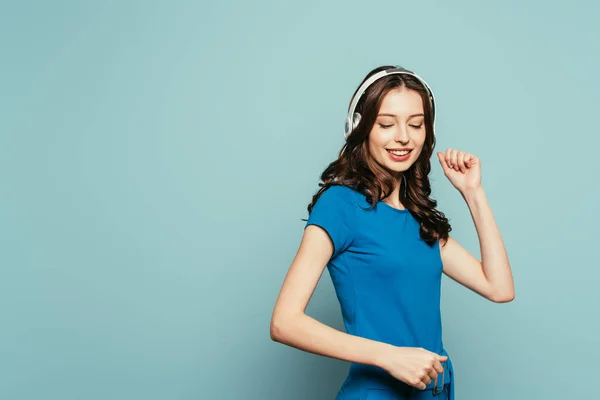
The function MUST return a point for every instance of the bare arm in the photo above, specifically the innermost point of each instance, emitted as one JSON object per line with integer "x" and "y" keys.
{"x": 491, "y": 277}
{"x": 291, "y": 326}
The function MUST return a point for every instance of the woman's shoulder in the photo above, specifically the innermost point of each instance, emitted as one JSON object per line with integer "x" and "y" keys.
{"x": 343, "y": 196}
{"x": 343, "y": 193}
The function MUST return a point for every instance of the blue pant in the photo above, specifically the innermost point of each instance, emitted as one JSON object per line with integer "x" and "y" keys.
{"x": 365, "y": 382}
{"x": 387, "y": 394}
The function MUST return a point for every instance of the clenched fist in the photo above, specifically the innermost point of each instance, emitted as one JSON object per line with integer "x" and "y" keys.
{"x": 414, "y": 366}
{"x": 462, "y": 169}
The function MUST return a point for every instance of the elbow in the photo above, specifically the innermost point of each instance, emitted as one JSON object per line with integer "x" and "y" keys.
{"x": 503, "y": 297}
{"x": 276, "y": 331}
{"x": 285, "y": 325}
{"x": 279, "y": 328}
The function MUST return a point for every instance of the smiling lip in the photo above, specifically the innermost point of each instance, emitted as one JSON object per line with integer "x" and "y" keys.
{"x": 399, "y": 158}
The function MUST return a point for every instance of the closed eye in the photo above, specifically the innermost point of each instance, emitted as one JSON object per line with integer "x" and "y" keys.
{"x": 389, "y": 126}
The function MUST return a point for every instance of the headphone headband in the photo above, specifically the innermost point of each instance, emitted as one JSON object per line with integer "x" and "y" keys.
{"x": 353, "y": 118}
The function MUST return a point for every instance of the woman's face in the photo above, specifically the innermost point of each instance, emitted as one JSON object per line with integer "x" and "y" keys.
{"x": 397, "y": 137}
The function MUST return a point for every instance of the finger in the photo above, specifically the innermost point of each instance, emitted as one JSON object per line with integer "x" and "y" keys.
{"x": 427, "y": 379}
{"x": 432, "y": 374}
{"x": 467, "y": 158}
{"x": 472, "y": 160}
{"x": 454, "y": 158}
{"x": 448, "y": 156}
{"x": 437, "y": 365}
{"x": 416, "y": 382}
{"x": 443, "y": 162}
{"x": 461, "y": 162}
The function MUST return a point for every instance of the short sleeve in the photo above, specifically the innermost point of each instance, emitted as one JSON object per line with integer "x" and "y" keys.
{"x": 334, "y": 212}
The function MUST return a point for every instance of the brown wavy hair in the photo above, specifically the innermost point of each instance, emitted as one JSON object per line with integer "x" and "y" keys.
{"x": 356, "y": 167}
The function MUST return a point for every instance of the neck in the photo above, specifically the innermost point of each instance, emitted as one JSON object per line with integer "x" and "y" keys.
{"x": 394, "y": 198}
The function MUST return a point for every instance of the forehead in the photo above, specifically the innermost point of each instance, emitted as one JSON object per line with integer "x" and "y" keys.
{"x": 402, "y": 101}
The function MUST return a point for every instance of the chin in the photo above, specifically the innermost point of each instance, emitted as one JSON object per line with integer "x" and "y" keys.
{"x": 398, "y": 169}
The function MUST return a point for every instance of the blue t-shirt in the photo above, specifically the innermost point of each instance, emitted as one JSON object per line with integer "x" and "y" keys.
{"x": 386, "y": 278}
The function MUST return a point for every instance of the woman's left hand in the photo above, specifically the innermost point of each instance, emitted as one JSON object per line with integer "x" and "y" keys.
{"x": 462, "y": 169}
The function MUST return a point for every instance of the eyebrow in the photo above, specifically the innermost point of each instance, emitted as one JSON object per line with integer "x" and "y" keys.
{"x": 394, "y": 115}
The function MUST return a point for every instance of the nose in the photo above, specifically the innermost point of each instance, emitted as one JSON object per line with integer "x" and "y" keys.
{"x": 402, "y": 135}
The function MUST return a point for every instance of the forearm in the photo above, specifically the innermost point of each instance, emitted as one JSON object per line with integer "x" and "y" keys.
{"x": 306, "y": 333}
{"x": 494, "y": 258}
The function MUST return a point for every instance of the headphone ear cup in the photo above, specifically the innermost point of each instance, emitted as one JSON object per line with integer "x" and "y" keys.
{"x": 347, "y": 128}
{"x": 350, "y": 125}
{"x": 355, "y": 120}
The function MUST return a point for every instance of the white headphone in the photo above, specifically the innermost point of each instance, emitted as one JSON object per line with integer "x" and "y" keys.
{"x": 353, "y": 118}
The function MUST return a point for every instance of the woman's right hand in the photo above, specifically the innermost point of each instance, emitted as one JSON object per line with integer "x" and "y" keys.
{"x": 414, "y": 366}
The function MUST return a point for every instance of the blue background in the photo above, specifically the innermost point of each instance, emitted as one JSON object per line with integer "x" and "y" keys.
{"x": 156, "y": 159}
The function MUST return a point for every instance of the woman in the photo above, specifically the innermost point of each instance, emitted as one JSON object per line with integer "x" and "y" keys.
{"x": 374, "y": 226}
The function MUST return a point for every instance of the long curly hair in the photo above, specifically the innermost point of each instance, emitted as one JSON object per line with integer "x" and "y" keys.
{"x": 357, "y": 168}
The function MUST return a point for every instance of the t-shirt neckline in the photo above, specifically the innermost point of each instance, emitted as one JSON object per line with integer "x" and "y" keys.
{"x": 400, "y": 210}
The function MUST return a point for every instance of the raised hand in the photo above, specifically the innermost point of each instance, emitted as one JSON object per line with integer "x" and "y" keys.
{"x": 462, "y": 169}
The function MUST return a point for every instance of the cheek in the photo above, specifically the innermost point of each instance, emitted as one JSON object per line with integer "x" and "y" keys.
{"x": 420, "y": 141}
{"x": 382, "y": 137}
{"x": 376, "y": 152}
{"x": 417, "y": 153}
{"x": 376, "y": 141}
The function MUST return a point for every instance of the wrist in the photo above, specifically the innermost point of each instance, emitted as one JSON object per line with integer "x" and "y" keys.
{"x": 473, "y": 193}
{"x": 383, "y": 355}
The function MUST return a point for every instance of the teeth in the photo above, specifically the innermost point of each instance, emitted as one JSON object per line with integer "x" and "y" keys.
{"x": 399, "y": 153}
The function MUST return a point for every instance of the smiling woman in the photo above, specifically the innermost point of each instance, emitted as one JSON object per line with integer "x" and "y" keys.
{"x": 386, "y": 263}
{"x": 401, "y": 128}
{"x": 396, "y": 113}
